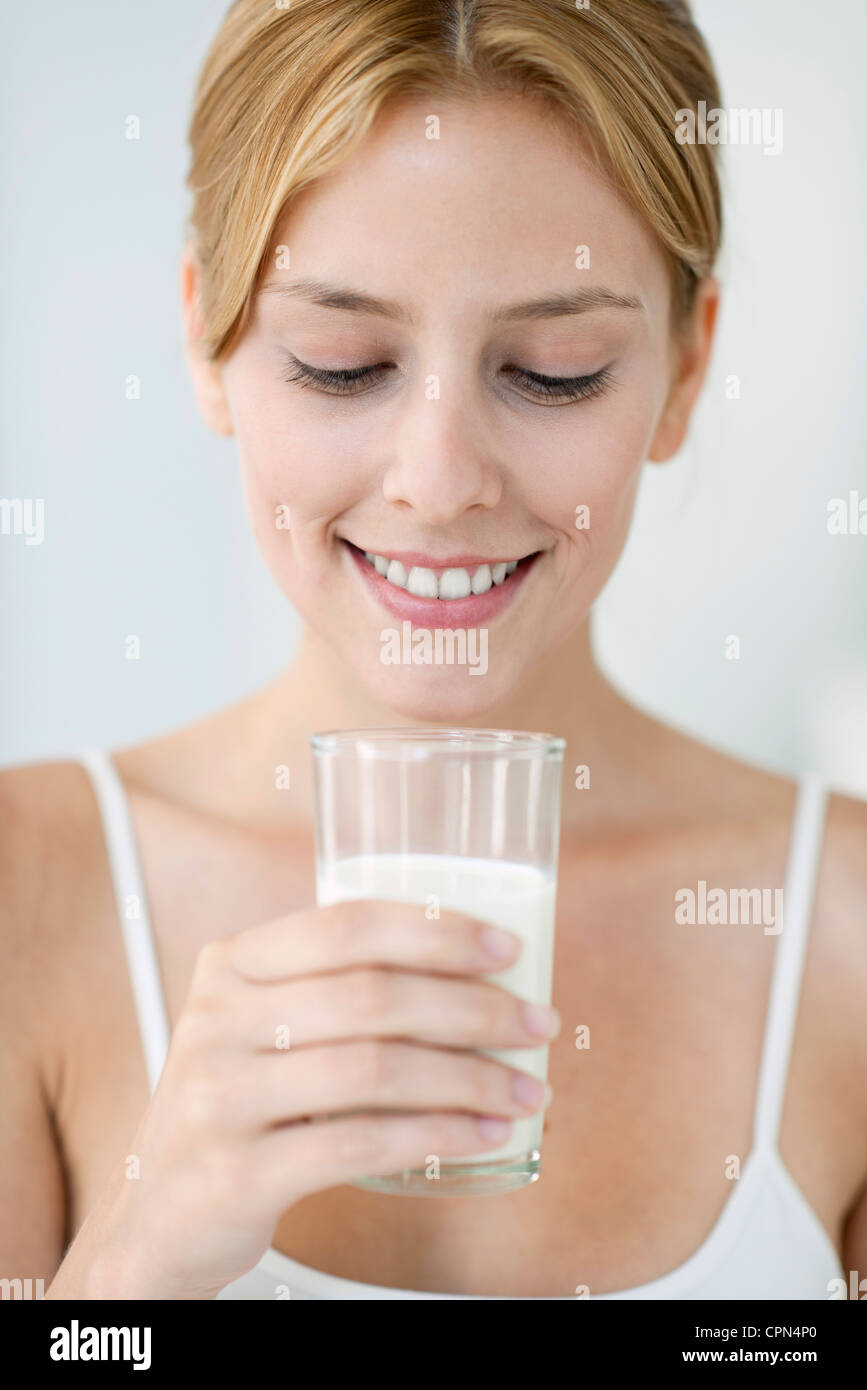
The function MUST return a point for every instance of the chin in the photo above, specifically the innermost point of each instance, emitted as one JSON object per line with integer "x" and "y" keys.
{"x": 439, "y": 695}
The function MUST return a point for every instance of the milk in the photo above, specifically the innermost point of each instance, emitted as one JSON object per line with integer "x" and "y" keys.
{"x": 516, "y": 896}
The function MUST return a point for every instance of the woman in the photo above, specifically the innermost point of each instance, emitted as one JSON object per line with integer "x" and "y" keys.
{"x": 449, "y": 284}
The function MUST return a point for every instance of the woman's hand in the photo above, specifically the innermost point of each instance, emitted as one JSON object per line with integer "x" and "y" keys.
{"x": 297, "y": 1039}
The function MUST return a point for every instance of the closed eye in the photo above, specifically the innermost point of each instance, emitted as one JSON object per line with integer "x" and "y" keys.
{"x": 563, "y": 388}
{"x": 335, "y": 381}
{"x": 353, "y": 381}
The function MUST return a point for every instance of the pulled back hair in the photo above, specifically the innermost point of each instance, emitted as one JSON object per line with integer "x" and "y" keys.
{"x": 285, "y": 95}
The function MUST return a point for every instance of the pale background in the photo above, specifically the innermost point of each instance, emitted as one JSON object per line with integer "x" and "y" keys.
{"x": 145, "y": 530}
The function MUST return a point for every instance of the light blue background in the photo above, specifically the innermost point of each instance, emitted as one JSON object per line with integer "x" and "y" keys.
{"x": 145, "y": 530}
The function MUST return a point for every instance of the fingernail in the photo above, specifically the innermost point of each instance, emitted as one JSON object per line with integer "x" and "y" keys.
{"x": 541, "y": 1022}
{"x": 493, "y": 1129}
{"x": 527, "y": 1090}
{"x": 502, "y": 945}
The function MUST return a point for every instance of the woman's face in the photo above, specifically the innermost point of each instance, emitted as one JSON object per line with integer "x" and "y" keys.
{"x": 456, "y": 451}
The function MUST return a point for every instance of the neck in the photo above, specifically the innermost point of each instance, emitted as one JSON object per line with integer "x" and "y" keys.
{"x": 568, "y": 696}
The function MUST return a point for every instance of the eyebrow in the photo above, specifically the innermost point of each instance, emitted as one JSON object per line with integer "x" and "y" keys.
{"x": 556, "y": 305}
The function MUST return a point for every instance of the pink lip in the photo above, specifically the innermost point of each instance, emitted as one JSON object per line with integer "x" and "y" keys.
{"x": 438, "y": 613}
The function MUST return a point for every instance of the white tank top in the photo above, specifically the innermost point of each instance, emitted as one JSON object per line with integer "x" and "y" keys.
{"x": 767, "y": 1243}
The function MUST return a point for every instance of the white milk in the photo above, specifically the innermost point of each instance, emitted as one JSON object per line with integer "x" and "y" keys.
{"x": 516, "y": 896}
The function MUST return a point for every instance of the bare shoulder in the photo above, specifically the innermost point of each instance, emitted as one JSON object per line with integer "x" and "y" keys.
{"x": 841, "y": 908}
{"x": 739, "y": 804}
{"x": 842, "y": 895}
{"x": 757, "y": 797}
{"x": 837, "y": 943}
{"x": 55, "y": 878}
{"x": 48, "y": 849}
{"x": 51, "y": 856}
{"x": 846, "y": 843}
{"x": 47, "y": 811}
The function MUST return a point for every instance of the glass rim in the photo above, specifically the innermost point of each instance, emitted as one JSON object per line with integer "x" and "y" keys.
{"x": 418, "y": 743}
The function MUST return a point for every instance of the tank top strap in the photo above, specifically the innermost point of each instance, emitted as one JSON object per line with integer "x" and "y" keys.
{"x": 132, "y": 909}
{"x": 805, "y": 853}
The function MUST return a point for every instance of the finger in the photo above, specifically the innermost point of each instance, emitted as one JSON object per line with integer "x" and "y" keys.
{"x": 294, "y": 1160}
{"x": 367, "y": 931}
{"x": 374, "y": 1074}
{"x": 373, "y": 1002}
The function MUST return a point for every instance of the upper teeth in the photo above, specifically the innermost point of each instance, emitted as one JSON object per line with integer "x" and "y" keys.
{"x": 453, "y": 583}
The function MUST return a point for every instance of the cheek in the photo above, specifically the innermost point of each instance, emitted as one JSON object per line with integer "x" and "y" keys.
{"x": 592, "y": 461}
{"x": 290, "y": 466}
{"x": 286, "y": 458}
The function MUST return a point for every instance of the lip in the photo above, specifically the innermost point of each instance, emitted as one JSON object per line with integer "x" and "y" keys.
{"x": 433, "y": 613}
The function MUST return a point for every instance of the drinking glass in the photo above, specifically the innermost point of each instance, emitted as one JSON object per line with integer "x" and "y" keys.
{"x": 466, "y": 819}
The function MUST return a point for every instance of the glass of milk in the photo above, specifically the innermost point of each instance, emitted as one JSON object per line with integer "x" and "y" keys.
{"x": 467, "y": 819}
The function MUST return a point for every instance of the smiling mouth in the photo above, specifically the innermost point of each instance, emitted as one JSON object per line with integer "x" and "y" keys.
{"x": 448, "y": 583}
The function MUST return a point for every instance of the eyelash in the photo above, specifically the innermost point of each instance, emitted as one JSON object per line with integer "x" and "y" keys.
{"x": 341, "y": 381}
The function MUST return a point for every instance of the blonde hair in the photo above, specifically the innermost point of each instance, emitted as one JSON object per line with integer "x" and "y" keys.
{"x": 285, "y": 94}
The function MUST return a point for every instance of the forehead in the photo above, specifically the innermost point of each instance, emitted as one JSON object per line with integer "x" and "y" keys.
{"x": 493, "y": 196}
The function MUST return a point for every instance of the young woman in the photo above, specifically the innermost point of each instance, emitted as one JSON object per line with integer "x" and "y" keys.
{"x": 449, "y": 280}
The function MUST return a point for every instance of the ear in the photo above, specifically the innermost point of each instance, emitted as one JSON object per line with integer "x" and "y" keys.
{"x": 207, "y": 377}
{"x": 690, "y": 360}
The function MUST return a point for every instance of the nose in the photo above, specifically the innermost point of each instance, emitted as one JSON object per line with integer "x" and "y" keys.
{"x": 439, "y": 468}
